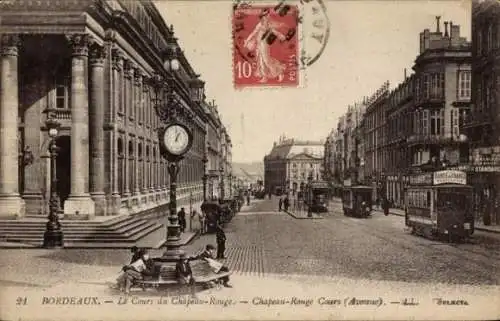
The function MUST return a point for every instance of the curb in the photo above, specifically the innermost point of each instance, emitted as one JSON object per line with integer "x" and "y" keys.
{"x": 304, "y": 218}
{"x": 181, "y": 242}
{"x": 486, "y": 230}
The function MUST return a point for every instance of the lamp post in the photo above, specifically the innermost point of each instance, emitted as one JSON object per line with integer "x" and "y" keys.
{"x": 175, "y": 139}
{"x": 53, "y": 236}
{"x": 221, "y": 170}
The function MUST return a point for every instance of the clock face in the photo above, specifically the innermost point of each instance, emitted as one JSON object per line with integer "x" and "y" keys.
{"x": 176, "y": 139}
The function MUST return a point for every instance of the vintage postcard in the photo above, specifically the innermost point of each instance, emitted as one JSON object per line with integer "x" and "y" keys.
{"x": 249, "y": 160}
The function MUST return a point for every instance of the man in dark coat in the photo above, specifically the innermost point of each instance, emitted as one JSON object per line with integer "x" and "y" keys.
{"x": 182, "y": 219}
{"x": 280, "y": 204}
{"x": 385, "y": 206}
{"x": 220, "y": 236}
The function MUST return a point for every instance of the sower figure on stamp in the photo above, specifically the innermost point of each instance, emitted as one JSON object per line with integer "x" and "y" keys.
{"x": 267, "y": 65}
{"x": 221, "y": 241}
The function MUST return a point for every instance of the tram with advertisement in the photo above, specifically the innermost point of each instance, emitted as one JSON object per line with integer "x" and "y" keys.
{"x": 439, "y": 204}
{"x": 356, "y": 199}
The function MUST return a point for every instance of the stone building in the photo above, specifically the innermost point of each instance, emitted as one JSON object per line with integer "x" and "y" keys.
{"x": 483, "y": 125}
{"x": 442, "y": 97}
{"x": 374, "y": 131}
{"x": 290, "y": 163}
{"x": 399, "y": 128}
{"x": 89, "y": 65}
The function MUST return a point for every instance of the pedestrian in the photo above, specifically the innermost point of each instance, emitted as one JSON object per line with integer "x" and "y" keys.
{"x": 269, "y": 195}
{"x": 220, "y": 237}
{"x": 280, "y": 204}
{"x": 183, "y": 270}
{"x": 286, "y": 203}
{"x": 136, "y": 254}
{"x": 208, "y": 255}
{"x": 202, "y": 219}
{"x": 142, "y": 267}
{"x": 182, "y": 219}
{"x": 385, "y": 206}
{"x": 248, "y": 199}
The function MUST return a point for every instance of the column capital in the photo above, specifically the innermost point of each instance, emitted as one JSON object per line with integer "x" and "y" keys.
{"x": 9, "y": 44}
{"x": 79, "y": 44}
{"x": 117, "y": 59}
{"x": 129, "y": 68}
{"x": 138, "y": 75}
{"x": 97, "y": 54}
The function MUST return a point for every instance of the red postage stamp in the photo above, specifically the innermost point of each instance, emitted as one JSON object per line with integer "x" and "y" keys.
{"x": 266, "y": 45}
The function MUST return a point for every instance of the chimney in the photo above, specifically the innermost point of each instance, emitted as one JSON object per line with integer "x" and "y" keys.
{"x": 437, "y": 23}
{"x": 446, "y": 28}
{"x": 405, "y": 74}
{"x": 451, "y": 29}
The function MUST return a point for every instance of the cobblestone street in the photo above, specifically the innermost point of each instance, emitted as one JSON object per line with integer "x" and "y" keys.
{"x": 262, "y": 241}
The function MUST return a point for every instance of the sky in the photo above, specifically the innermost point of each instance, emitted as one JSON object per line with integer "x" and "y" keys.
{"x": 370, "y": 42}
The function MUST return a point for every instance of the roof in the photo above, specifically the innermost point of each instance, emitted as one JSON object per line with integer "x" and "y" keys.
{"x": 292, "y": 148}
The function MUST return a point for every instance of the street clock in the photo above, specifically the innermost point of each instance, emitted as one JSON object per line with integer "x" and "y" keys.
{"x": 176, "y": 140}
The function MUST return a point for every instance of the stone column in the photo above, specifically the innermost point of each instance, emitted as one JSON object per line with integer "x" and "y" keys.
{"x": 136, "y": 82}
{"x": 117, "y": 67}
{"x": 79, "y": 201}
{"x": 11, "y": 203}
{"x": 96, "y": 121}
{"x": 126, "y": 103}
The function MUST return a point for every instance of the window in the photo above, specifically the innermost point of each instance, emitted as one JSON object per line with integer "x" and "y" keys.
{"x": 464, "y": 85}
{"x": 436, "y": 122}
{"x": 62, "y": 94}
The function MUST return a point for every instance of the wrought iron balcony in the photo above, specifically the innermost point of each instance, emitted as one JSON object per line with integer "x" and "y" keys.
{"x": 434, "y": 140}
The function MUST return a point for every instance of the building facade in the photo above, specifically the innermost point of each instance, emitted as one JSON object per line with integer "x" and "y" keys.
{"x": 290, "y": 163}
{"x": 374, "y": 131}
{"x": 399, "y": 128}
{"x": 483, "y": 125}
{"x": 442, "y": 97}
{"x": 89, "y": 65}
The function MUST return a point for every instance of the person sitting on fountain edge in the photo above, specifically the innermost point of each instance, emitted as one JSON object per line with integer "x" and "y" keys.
{"x": 209, "y": 253}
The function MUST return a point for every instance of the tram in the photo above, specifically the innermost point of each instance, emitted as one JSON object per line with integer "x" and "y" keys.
{"x": 439, "y": 204}
{"x": 356, "y": 199}
{"x": 318, "y": 199}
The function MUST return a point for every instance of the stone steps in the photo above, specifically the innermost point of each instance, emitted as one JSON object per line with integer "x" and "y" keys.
{"x": 120, "y": 231}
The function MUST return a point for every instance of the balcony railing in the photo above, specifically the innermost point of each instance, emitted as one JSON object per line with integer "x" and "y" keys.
{"x": 432, "y": 139}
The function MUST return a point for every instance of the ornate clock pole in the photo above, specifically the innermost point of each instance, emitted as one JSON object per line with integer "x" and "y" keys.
{"x": 175, "y": 141}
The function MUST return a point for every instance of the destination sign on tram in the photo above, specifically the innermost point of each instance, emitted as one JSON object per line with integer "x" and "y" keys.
{"x": 450, "y": 177}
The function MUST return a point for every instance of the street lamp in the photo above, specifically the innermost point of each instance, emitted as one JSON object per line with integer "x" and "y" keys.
{"x": 53, "y": 236}
{"x": 221, "y": 170}
{"x": 175, "y": 139}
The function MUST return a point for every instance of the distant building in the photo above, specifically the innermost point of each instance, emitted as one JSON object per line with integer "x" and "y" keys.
{"x": 290, "y": 163}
